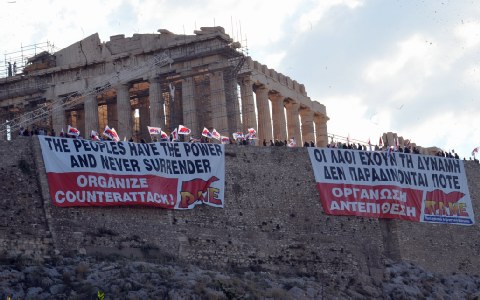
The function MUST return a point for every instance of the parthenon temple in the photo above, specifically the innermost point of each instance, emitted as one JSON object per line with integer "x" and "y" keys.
{"x": 160, "y": 80}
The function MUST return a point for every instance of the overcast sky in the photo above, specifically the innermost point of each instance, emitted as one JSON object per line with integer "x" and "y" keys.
{"x": 410, "y": 67}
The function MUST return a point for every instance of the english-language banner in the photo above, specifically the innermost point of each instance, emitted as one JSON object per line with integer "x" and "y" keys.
{"x": 419, "y": 188}
{"x": 106, "y": 173}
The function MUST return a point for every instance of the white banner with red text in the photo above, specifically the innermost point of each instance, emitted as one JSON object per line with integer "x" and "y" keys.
{"x": 419, "y": 188}
{"x": 107, "y": 173}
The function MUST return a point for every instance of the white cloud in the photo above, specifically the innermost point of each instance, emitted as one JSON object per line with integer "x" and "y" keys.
{"x": 351, "y": 119}
{"x": 469, "y": 33}
{"x": 414, "y": 56}
{"x": 273, "y": 60}
{"x": 258, "y": 24}
{"x": 315, "y": 15}
{"x": 471, "y": 76}
{"x": 447, "y": 131}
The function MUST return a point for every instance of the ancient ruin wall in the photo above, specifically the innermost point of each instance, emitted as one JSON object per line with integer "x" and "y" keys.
{"x": 272, "y": 220}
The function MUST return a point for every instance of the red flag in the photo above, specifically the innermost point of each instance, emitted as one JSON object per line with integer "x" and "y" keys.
{"x": 206, "y": 133}
{"x": 380, "y": 142}
{"x": 73, "y": 131}
{"x": 94, "y": 136}
{"x": 292, "y": 143}
{"x": 215, "y": 134}
{"x": 154, "y": 130}
{"x": 252, "y": 133}
{"x": 183, "y": 130}
{"x": 111, "y": 133}
{"x": 238, "y": 135}
{"x": 163, "y": 135}
{"x": 475, "y": 150}
{"x": 225, "y": 139}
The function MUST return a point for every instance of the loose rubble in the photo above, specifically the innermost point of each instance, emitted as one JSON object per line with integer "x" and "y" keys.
{"x": 120, "y": 278}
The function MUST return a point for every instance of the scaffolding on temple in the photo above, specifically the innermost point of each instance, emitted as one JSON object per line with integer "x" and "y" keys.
{"x": 19, "y": 58}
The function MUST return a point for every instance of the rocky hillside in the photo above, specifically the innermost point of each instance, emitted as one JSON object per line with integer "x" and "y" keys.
{"x": 118, "y": 278}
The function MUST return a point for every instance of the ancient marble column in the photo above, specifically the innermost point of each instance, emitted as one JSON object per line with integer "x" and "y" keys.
{"x": 321, "y": 129}
{"x": 59, "y": 119}
{"x": 264, "y": 121}
{"x": 80, "y": 123}
{"x": 231, "y": 100}
{"x": 157, "y": 112}
{"x": 124, "y": 112}
{"x": 190, "y": 119}
{"x": 248, "y": 107}
{"x": 293, "y": 122}
{"x": 91, "y": 115}
{"x": 307, "y": 125}
{"x": 219, "y": 109}
{"x": 278, "y": 116}
{"x": 112, "y": 116}
{"x": 144, "y": 120}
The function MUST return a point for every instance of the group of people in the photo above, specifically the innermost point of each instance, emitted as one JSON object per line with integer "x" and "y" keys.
{"x": 292, "y": 143}
{"x": 452, "y": 154}
{"x": 353, "y": 146}
{"x": 284, "y": 143}
{"x": 35, "y": 131}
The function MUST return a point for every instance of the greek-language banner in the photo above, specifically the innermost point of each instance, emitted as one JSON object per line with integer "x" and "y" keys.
{"x": 420, "y": 188}
{"x": 167, "y": 175}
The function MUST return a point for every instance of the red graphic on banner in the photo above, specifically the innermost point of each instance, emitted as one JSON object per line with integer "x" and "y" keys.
{"x": 199, "y": 190}
{"x": 439, "y": 203}
{"x": 383, "y": 201}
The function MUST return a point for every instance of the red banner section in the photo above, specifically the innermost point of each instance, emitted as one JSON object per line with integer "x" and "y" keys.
{"x": 91, "y": 189}
{"x": 383, "y": 201}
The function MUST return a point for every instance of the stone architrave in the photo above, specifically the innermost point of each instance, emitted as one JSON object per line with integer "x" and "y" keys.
{"x": 91, "y": 114}
{"x": 157, "y": 112}
{"x": 264, "y": 120}
{"x": 124, "y": 112}
{"x": 248, "y": 106}
{"x": 293, "y": 121}
{"x": 307, "y": 125}
{"x": 278, "y": 117}
{"x": 321, "y": 133}
{"x": 190, "y": 119}
{"x": 219, "y": 109}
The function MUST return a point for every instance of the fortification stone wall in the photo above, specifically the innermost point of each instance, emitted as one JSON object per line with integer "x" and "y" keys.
{"x": 272, "y": 220}
{"x": 23, "y": 224}
{"x": 445, "y": 248}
